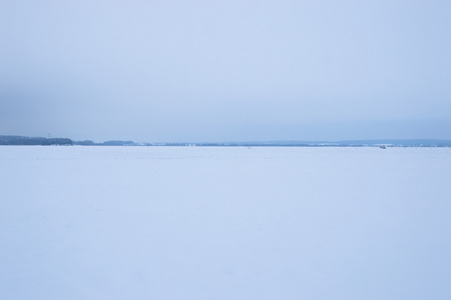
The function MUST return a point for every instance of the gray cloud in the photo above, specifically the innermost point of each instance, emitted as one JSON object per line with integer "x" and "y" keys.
{"x": 195, "y": 70}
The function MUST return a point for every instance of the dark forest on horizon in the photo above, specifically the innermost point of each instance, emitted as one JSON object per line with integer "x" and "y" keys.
{"x": 13, "y": 140}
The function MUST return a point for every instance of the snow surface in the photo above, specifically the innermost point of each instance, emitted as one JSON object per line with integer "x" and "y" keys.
{"x": 225, "y": 223}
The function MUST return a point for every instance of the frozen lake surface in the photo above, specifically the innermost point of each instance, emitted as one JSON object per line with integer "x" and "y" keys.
{"x": 225, "y": 223}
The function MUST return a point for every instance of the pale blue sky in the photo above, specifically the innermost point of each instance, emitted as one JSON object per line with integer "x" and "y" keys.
{"x": 225, "y": 70}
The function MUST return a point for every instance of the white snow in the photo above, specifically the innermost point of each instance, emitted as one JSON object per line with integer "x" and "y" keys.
{"x": 225, "y": 223}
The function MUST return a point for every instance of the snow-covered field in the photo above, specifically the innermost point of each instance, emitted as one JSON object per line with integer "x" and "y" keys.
{"x": 225, "y": 223}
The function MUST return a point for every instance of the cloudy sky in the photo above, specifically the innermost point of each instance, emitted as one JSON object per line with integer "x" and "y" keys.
{"x": 225, "y": 70}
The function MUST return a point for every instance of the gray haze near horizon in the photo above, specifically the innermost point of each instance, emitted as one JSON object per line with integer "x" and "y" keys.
{"x": 227, "y": 71}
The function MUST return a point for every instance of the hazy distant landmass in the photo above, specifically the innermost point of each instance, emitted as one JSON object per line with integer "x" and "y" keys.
{"x": 29, "y": 141}
{"x": 41, "y": 141}
{"x": 351, "y": 143}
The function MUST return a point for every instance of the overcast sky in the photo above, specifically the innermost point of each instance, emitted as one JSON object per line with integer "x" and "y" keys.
{"x": 225, "y": 70}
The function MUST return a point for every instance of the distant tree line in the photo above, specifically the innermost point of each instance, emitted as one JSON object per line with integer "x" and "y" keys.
{"x": 33, "y": 141}
{"x": 107, "y": 143}
{"x": 41, "y": 141}
{"x": 23, "y": 140}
